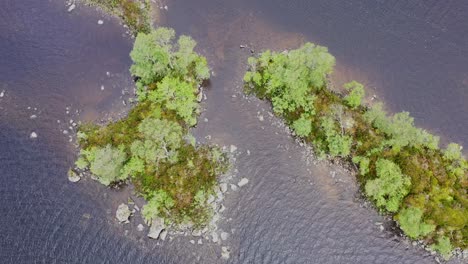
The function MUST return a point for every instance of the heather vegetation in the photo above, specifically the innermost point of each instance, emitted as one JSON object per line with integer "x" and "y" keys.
{"x": 399, "y": 166}
{"x": 134, "y": 13}
{"x": 152, "y": 146}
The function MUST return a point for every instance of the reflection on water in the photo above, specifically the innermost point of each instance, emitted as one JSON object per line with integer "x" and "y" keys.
{"x": 292, "y": 211}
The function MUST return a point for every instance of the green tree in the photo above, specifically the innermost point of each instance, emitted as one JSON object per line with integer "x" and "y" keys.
{"x": 160, "y": 140}
{"x": 444, "y": 247}
{"x": 411, "y": 222}
{"x": 200, "y": 197}
{"x": 453, "y": 152}
{"x": 187, "y": 62}
{"x": 133, "y": 166}
{"x": 302, "y": 126}
{"x": 356, "y": 93}
{"x": 290, "y": 78}
{"x": 158, "y": 206}
{"x": 363, "y": 162}
{"x": 179, "y": 96}
{"x": 338, "y": 144}
{"x": 400, "y": 129}
{"x": 81, "y": 163}
{"x": 152, "y": 55}
{"x": 390, "y": 186}
{"x": 107, "y": 163}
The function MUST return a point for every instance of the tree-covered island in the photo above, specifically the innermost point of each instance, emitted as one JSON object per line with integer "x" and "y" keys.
{"x": 399, "y": 166}
{"x": 152, "y": 146}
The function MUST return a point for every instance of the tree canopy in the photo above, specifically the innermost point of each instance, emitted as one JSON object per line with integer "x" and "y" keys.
{"x": 289, "y": 78}
{"x": 160, "y": 140}
{"x": 411, "y": 221}
{"x": 106, "y": 164}
{"x": 390, "y": 186}
{"x": 177, "y": 95}
{"x": 155, "y": 56}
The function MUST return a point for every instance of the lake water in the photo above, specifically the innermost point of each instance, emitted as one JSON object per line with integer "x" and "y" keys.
{"x": 409, "y": 53}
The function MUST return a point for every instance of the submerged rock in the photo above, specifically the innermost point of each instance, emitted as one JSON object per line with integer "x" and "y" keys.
{"x": 33, "y": 135}
{"x": 157, "y": 226}
{"x": 123, "y": 213}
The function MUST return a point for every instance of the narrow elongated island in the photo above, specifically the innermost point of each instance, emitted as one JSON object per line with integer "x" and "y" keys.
{"x": 399, "y": 166}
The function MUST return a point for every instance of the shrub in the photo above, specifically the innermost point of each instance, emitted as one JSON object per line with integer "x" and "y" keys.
{"x": 356, "y": 93}
{"x": 107, "y": 163}
{"x": 302, "y": 126}
{"x": 444, "y": 247}
{"x": 453, "y": 152}
{"x": 133, "y": 166}
{"x": 363, "y": 164}
{"x": 338, "y": 144}
{"x": 390, "y": 186}
{"x": 158, "y": 206}
{"x": 411, "y": 222}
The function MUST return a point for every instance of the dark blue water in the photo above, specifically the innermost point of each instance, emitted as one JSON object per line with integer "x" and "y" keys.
{"x": 410, "y": 53}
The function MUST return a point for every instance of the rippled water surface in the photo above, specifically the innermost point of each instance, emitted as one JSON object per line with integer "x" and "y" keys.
{"x": 411, "y": 54}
